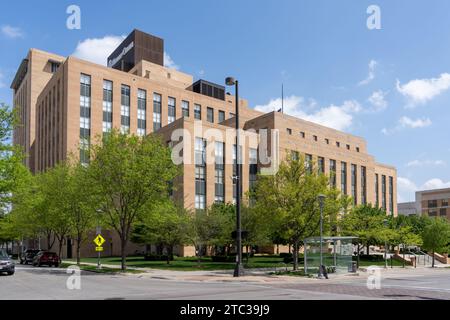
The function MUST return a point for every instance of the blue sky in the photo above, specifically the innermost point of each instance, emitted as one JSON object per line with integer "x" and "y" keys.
{"x": 391, "y": 86}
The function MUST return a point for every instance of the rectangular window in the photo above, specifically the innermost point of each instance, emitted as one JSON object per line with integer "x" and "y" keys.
{"x": 221, "y": 116}
{"x": 308, "y": 163}
{"x": 54, "y": 66}
{"x": 354, "y": 183}
{"x": 302, "y": 134}
{"x": 156, "y": 111}
{"x": 377, "y": 195}
{"x": 210, "y": 115}
{"x": 200, "y": 174}
{"x": 344, "y": 178}
{"x": 220, "y": 172}
{"x": 348, "y": 147}
{"x": 171, "y": 112}
{"x": 197, "y": 111}
{"x": 391, "y": 195}
{"x": 321, "y": 165}
{"x": 289, "y": 131}
{"x": 432, "y": 204}
{"x": 338, "y": 144}
{"x": 383, "y": 192}
{"x": 444, "y": 203}
{"x": 185, "y": 108}
{"x": 295, "y": 155}
{"x": 253, "y": 167}
{"x": 125, "y": 109}
{"x": 442, "y": 212}
{"x": 315, "y": 138}
{"x": 142, "y": 113}
{"x": 363, "y": 185}
{"x": 333, "y": 173}
{"x": 327, "y": 141}
{"x": 107, "y": 105}
{"x": 85, "y": 117}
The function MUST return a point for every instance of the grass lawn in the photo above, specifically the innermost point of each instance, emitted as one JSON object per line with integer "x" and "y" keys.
{"x": 366, "y": 263}
{"x": 191, "y": 263}
{"x": 102, "y": 270}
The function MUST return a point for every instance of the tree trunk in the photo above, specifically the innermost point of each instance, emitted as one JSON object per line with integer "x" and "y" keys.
{"x": 60, "y": 242}
{"x": 295, "y": 255}
{"x": 78, "y": 249}
{"x": 123, "y": 264}
{"x": 368, "y": 250}
{"x": 432, "y": 263}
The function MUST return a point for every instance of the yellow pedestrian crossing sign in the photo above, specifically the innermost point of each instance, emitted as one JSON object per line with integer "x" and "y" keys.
{"x": 99, "y": 240}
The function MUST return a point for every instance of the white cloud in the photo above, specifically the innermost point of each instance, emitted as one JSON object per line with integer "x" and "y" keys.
{"x": 169, "y": 63}
{"x": 422, "y": 163}
{"x": 337, "y": 117}
{"x": 378, "y": 100}
{"x": 97, "y": 50}
{"x": 12, "y": 32}
{"x": 371, "y": 75}
{"x": 420, "y": 91}
{"x": 406, "y": 122}
{"x": 435, "y": 184}
{"x": 201, "y": 72}
{"x": 406, "y": 188}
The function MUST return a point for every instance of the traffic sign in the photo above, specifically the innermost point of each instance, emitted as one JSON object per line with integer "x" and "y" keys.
{"x": 99, "y": 240}
{"x": 98, "y": 249}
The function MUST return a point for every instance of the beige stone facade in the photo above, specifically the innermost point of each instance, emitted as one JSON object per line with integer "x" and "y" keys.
{"x": 47, "y": 97}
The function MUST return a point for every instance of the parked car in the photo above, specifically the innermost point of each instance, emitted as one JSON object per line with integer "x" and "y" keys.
{"x": 46, "y": 258}
{"x": 28, "y": 255}
{"x": 6, "y": 263}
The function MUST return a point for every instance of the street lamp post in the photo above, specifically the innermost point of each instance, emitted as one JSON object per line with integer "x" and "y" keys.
{"x": 238, "y": 270}
{"x": 321, "y": 199}
{"x": 385, "y": 222}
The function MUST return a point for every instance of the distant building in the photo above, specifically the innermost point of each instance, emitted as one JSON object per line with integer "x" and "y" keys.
{"x": 432, "y": 203}
{"x": 407, "y": 209}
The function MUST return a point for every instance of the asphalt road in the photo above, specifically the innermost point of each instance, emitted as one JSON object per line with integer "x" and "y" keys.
{"x": 50, "y": 283}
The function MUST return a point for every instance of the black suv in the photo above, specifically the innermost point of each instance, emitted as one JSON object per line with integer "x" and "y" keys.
{"x": 28, "y": 255}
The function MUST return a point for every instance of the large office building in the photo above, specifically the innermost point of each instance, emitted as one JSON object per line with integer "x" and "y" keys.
{"x": 65, "y": 102}
{"x": 431, "y": 203}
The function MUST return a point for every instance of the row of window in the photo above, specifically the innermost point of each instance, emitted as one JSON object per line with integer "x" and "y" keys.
{"x": 85, "y": 104}
{"x": 315, "y": 138}
{"x": 354, "y": 180}
{"x": 219, "y": 174}
{"x": 434, "y": 212}
{"x": 434, "y": 203}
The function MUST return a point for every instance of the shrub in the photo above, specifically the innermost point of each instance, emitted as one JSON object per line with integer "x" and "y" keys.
{"x": 157, "y": 257}
{"x": 223, "y": 258}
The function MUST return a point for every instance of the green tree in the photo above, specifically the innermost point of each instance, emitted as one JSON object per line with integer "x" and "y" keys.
{"x": 436, "y": 236}
{"x": 166, "y": 224}
{"x": 129, "y": 172}
{"x": 366, "y": 223}
{"x": 81, "y": 205}
{"x": 289, "y": 201}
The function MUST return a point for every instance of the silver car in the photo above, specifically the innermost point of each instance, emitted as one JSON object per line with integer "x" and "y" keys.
{"x": 6, "y": 263}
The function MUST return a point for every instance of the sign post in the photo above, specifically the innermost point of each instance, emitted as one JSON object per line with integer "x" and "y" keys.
{"x": 99, "y": 241}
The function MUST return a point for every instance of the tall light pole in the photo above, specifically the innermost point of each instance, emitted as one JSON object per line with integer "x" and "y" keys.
{"x": 385, "y": 222}
{"x": 238, "y": 270}
{"x": 321, "y": 200}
